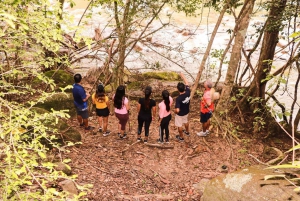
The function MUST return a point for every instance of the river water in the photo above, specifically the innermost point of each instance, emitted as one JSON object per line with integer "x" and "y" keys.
{"x": 191, "y": 47}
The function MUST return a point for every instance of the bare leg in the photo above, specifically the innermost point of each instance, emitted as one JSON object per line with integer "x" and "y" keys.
{"x": 105, "y": 120}
{"x": 180, "y": 132}
{"x": 79, "y": 118}
{"x": 100, "y": 122}
{"x": 86, "y": 122}
{"x": 186, "y": 125}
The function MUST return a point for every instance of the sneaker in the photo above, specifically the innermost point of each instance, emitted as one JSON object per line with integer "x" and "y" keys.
{"x": 180, "y": 139}
{"x": 123, "y": 137}
{"x": 185, "y": 132}
{"x": 202, "y": 134}
{"x": 159, "y": 141}
{"x": 81, "y": 125}
{"x": 207, "y": 132}
{"x": 167, "y": 141}
{"x": 100, "y": 129}
{"x": 145, "y": 141}
{"x": 139, "y": 139}
{"x": 106, "y": 133}
{"x": 89, "y": 128}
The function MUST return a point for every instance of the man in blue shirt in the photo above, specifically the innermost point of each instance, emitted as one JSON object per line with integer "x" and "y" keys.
{"x": 80, "y": 102}
{"x": 182, "y": 108}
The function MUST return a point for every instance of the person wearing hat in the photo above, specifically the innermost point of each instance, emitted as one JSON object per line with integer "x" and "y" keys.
{"x": 80, "y": 102}
{"x": 101, "y": 100}
{"x": 146, "y": 110}
{"x": 206, "y": 108}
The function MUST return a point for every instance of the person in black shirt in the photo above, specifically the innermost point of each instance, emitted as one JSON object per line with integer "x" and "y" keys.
{"x": 182, "y": 108}
{"x": 145, "y": 108}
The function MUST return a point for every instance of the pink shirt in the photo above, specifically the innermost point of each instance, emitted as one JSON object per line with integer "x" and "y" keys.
{"x": 162, "y": 108}
{"x": 123, "y": 110}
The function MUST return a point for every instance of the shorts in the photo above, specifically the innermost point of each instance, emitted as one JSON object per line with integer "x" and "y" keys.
{"x": 179, "y": 120}
{"x": 84, "y": 114}
{"x": 102, "y": 112}
{"x": 204, "y": 117}
{"x": 123, "y": 118}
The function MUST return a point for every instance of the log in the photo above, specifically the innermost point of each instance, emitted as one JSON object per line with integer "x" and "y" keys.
{"x": 160, "y": 146}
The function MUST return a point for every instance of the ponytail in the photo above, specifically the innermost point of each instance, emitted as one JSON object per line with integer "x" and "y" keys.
{"x": 148, "y": 92}
{"x": 166, "y": 96}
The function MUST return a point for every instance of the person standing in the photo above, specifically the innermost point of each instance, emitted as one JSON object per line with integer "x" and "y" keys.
{"x": 102, "y": 108}
{"x": 182, "y": 108}
{"x": 146, "y": 110}
{"x": 206, "y": 109}
{"x": 122, "y": 107}
{"x": 164, "y": 116}
{"x": 80, "y": 102}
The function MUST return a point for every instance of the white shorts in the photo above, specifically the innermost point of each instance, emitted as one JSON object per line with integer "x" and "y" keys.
{"x": 179, "y": 120}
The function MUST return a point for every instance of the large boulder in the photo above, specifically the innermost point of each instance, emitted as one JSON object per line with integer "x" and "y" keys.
{"x": 59, "y": 101}
{"x": 68, "y": 133}
{"x": 249, "y": 184}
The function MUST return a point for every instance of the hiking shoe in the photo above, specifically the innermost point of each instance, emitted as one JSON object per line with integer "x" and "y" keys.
{"x": 159, "y": 141}
{"x": 123, "y": 137}
{"x": 185, "y": 132}
{"x": 89, "y": 128}
{"x": 202, "y": 134}
{"x": 100, "y": 129}
{"x": 106, "y": 133}
{"x": 145, "y": 141}
{"x": 167, "y": 141}
{"x": 180, "y": 139}
{"x": 139, "y": 139}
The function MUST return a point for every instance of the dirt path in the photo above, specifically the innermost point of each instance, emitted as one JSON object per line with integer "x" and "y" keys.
{"x": 127, "y": 170}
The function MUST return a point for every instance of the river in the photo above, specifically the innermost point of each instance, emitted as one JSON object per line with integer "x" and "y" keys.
{"x": 191, "y": 46}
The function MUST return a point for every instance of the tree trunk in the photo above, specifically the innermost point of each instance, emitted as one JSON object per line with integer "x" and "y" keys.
{"x": 273, "y": 25}
{"x": 235, "y": 57}
{"x": 208, "y": 48}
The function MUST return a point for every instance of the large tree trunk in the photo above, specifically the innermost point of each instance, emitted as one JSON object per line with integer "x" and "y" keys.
{"x": 208, "y": 48}
{"x": 235, "y": 57}
{"x": 273, "y": 25}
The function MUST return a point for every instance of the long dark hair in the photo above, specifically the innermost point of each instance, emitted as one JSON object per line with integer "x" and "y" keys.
{"x": 148, "y": 92}
{"x": 100, "y": 93}
{"x": 165, "y": 94}
{"x": 119, "y": 97}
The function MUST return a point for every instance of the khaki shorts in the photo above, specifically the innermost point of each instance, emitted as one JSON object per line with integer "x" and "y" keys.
{"x": 179, "y": 120}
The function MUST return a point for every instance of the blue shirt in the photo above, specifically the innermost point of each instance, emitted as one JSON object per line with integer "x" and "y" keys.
{"x": 183, "y": 102}
{"x": 78, "y": 95}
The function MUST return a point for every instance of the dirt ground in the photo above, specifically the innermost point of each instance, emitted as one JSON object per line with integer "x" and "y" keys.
{"x": 130, "y": 170}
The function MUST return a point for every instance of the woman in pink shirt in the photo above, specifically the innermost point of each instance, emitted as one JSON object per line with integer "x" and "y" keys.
{"x": 164, "y": 116}
{"x": 121, "y": 105}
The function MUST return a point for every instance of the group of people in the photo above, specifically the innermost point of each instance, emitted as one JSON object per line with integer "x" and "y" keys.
{"x": 146, "y": 110}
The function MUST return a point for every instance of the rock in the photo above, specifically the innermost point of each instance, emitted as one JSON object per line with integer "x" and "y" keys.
{"x": 69, "y": 134}
{"x": 69, "y": 186}
{"x": 248, "y": 184}
{"x": 59, "y": 101}
{"x": 60, "y": 166}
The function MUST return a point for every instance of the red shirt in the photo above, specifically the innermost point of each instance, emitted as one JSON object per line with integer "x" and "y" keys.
{"x": 206, "y": 98}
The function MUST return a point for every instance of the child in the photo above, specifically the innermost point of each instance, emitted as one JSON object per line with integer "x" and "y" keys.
{"x": 164, "y": 116}
{"x": 121, "y": 105}
{"x": 102, "y": 108}
{"x": 145, "y": 108}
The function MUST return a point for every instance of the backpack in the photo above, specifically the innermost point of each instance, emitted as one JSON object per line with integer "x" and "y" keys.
{"x": 214, "y": 95}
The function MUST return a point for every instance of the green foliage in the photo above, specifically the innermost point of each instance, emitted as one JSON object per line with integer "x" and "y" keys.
{"x": 170, "y": 76}
{"x": 29, "y": 31}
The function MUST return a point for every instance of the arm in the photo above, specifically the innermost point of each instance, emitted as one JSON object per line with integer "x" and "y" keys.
{"x": 86, "y": 98}
{"x": 127, "y": 105}
{"x": 177, "y": 110}
{"x": 138, "y": 108}
{"x": 184, "y": 79}
{"x": 108, "y": 103}
{"x": 154, "y": 111}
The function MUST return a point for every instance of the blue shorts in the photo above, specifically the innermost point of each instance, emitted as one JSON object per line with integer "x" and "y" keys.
{"x": 83, "y": 113}
{"x": 204, "y": 117}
